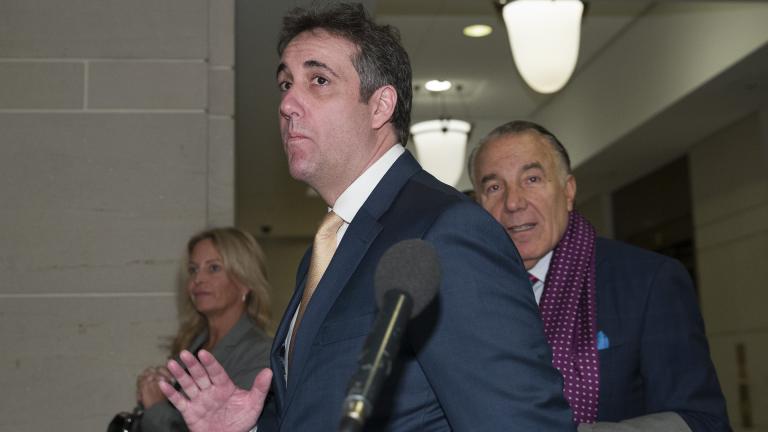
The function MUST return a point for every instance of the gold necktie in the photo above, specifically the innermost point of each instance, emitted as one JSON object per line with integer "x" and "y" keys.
{"x": 322, "y": 251}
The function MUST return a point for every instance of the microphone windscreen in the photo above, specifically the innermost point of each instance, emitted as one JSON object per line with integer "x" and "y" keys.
{"x": 410, "y": 266}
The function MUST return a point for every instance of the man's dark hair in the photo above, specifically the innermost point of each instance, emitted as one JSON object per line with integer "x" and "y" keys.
{"x": 380, "y": 60}
{"x": 516, "y": 127}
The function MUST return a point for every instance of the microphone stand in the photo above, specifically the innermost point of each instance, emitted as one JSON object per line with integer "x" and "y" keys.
{"x": 375, "y": 364}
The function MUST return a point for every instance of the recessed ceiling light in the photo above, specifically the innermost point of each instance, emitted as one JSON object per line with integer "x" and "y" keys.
{"x": 477, "y": 30}
{"x": 437, "y": 85}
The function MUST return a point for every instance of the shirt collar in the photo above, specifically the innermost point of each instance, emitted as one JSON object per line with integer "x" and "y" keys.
{"x": 540, "y": 269}
{"x": 353, "y": 198}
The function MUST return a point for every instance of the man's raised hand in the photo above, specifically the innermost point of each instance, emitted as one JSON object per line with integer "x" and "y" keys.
{"x": 211, "y": 401}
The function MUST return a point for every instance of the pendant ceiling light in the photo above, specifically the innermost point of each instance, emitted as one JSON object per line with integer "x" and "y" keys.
{"x": 544, "y": 36}
{"x": 441, "y": 146}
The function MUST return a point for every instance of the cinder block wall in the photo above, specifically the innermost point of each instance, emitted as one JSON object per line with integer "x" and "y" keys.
{"x": 116, "y": 144}
{"x": 729, "y": 179}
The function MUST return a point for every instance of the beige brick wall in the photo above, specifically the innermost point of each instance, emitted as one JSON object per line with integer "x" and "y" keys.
{"x": 117, "y": 143}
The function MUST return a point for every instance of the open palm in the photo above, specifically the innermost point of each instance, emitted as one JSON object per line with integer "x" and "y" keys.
{"x": 211, "y": 401}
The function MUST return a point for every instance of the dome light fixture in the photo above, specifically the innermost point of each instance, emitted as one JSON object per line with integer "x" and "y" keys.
{"x": 544, "y": 36}
{"x": 477, "y": 30}
{"x": 438, "y": 86}
{"x": 441, "y": 147}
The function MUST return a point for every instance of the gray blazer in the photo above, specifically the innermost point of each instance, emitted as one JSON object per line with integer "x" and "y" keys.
{"x": 243, "y": 352}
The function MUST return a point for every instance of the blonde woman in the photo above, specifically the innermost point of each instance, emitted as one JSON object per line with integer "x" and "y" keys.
{"x": 225, "y": 311}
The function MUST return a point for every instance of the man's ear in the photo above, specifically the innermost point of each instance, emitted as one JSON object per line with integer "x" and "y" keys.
{"x": 382, "y": 103}
{"x": 570, "y": 190}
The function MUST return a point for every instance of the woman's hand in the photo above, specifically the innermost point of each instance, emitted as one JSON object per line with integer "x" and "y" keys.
{"x": 148, "y": 392}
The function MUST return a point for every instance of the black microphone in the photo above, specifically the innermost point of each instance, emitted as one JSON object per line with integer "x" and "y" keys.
{"x": 406, "y": 281}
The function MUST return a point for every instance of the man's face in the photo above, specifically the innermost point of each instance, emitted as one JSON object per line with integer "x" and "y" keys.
{"x": 519, "y": 180}
{"x": 326, "y": 130}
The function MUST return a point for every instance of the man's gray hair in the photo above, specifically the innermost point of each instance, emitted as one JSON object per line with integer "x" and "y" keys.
{"x": 516, "y": 127}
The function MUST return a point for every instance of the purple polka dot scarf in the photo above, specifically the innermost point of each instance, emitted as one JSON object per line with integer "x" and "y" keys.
{"x": 568, "y": 311}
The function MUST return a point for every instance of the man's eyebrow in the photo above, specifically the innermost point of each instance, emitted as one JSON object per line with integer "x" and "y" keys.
{"x": 309, "y": 64}
{"x": 281, "y": 67}
{"x": 488, "y": 177}
{"x": 533, "y": 165}
{"x": 526, "y": 167}
{"x": 314, "y": 64}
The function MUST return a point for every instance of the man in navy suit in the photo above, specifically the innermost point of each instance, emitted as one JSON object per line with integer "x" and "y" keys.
{"x": 476, "y": 359}
{"x": 629, "y": 338}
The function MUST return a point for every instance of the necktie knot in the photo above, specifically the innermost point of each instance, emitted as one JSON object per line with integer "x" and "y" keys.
{"x": 323, "y": 249}
{"x": 329, "y": 227}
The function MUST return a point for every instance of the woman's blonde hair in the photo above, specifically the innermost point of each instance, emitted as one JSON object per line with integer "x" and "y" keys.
{"x": 244, "y": 262}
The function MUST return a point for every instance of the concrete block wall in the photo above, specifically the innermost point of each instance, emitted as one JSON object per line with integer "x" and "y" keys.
{"x": 117, "y": 144}
{"x": 729, "y": 184}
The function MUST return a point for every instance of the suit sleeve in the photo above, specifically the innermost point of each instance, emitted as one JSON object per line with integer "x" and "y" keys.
{"x": 676, "y": 367}
{"x": 486, "y": 357}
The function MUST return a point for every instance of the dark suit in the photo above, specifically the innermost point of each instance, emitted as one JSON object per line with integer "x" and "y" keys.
{"x": 242, "y": 352}
{"x": 658, "y": 358}
{"x": 475, "y": 359}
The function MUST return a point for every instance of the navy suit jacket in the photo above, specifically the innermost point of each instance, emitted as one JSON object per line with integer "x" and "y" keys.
{"x": 658, "y": 358}
{"x": 475, "y": 359}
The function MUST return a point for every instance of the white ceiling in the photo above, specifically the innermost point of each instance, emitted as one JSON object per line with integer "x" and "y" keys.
{"x": 269, "y": 201}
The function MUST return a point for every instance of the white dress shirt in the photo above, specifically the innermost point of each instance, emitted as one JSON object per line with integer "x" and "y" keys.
{"x": 540, "y": 272}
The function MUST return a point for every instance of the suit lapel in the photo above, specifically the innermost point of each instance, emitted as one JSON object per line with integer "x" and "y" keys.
{"x": 278, "y": 353}
{"x": 227, "y": 344}
{"x": 359, "y": 236}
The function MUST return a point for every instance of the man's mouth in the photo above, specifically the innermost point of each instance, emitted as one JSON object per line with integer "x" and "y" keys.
{"x": 521, "y": 228}
{"x": 295, "y": 137}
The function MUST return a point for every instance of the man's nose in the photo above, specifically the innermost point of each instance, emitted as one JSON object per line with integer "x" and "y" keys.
{"x": 291, "y": 105}
{"x": 514, "y": 200}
